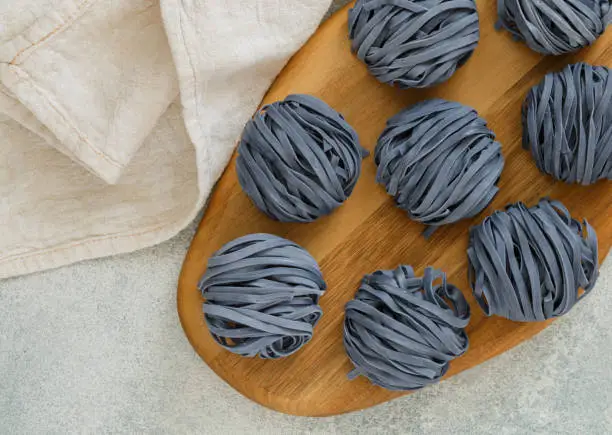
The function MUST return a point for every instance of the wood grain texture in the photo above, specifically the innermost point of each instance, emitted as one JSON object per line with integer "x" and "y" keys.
{"x": 368, "y": 232}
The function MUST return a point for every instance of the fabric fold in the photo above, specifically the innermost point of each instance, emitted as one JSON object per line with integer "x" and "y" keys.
{"x": 97, "y": 74}
{"x": 96, "y": 158}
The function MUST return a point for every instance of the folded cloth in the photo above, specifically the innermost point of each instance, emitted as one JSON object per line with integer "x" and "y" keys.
{"x": 99, "y": 153}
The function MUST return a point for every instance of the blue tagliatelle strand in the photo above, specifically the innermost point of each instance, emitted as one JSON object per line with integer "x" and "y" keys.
{"x": 262, "y": 294}
{"x": 401, "y": 331}
{"x": 567, "y": 124}
{"x": 413, "y": 43}
{"x": 439, "y": 161}
{"x": 554, "y": 26}
{"x": 530, "y": 264}
{"x": 298, "y": 159}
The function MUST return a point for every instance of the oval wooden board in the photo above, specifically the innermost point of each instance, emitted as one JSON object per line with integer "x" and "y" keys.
{"x": 368, "y": 232}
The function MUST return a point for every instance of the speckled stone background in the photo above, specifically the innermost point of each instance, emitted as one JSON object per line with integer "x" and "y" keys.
{"x": 97, "y": 348}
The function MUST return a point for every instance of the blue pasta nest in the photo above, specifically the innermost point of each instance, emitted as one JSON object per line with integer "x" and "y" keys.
{"x": 567, "y": 124}
{"x": 262, "y": 296}
{"x": 298, "y": 159}
{"x": 554, "y": 26}
{"x": 413, "y": 43}
{"x": 530, "y": 264}
{"x": 439, "y": 161}
{"x": 401, "y": 331}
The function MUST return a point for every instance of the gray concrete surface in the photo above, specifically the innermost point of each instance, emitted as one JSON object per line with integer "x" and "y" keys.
{"x": 97, "y": 348}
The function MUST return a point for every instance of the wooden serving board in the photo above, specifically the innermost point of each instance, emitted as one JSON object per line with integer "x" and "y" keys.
{"x": 368, "y": 232}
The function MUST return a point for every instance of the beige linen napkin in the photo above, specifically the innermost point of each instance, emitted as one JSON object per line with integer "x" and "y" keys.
{"x": 98, "y": 153}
